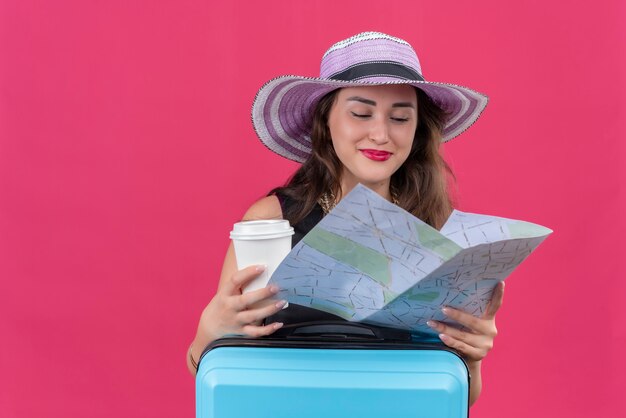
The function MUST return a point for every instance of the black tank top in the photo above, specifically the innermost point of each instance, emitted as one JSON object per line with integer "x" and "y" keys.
{"x": 297, "y": 313}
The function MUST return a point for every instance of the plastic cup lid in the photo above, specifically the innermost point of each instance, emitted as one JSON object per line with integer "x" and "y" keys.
{"x": 262, "y": 229}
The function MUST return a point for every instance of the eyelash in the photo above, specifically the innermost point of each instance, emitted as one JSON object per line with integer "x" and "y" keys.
{"x": 365, "y": 116}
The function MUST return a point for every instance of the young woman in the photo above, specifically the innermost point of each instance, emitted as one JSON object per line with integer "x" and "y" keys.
{"x": 370, "y": 118}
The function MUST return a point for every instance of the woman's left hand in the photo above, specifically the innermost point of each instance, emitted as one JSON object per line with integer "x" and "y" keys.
{"x": 475, "y": 342}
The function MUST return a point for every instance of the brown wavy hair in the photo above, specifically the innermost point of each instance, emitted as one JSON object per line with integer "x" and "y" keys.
{"x": 420, "y": 184}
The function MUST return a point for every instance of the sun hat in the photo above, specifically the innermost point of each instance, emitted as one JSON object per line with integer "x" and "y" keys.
{"x": 282, "y": 111}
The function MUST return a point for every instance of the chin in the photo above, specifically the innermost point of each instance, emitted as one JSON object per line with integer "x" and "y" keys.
{"x": 375, "y": 177}
{"x": 370, "y": 176}
{"x": 373, "y": 181}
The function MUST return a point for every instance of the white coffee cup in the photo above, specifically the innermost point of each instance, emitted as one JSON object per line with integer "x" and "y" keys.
{"x": 261, "y": 242}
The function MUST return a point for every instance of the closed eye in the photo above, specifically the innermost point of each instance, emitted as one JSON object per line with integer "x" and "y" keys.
{"x": 361, "y": 115}
{"x": 400, "y": 119}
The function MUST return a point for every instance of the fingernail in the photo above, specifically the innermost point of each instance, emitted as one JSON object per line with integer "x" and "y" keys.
{"x": 261, "y": 267}
{"x": 274, "y": 289}
{"x": 431, "y": 324}
{"x": 278, "y": 325}
{"x": 280, "y": 304}
{"x": 446, "y": 311}
{"x": 443, "y": 337}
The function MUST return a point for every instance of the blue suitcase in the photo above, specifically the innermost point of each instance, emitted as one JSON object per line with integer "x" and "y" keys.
{"x": 331, "y": 370}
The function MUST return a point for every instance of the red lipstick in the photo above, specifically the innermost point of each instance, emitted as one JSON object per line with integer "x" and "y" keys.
{"x": 376, "y": 155}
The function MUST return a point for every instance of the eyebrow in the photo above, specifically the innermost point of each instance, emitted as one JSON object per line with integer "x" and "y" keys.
{"x": 373, "y": 103}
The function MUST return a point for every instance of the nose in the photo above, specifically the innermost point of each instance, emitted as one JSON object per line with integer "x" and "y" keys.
{"x": 379, "y": 131}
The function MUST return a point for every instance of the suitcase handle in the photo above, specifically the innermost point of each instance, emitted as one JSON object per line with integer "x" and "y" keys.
{"x": 340, "y": 330}
{"x": 333, "y": 330}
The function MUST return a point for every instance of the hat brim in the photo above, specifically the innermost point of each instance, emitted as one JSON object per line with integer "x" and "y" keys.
{"x": 282, "y": 111}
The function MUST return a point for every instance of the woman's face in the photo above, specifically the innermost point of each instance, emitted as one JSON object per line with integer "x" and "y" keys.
{"x": 372, "y": 130}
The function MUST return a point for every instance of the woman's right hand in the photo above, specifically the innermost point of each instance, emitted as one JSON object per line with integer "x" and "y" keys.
{"x": 232, "y": 312}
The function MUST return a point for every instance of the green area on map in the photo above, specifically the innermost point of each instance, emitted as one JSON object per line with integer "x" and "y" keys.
{"x": 432, "y": 239}
{"x": 423, "y": 296}
{"x": 521, "y": 229}
{"x": 366, "y": 260}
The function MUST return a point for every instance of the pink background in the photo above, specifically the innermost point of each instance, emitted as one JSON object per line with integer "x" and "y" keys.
{"x": 126, "y": 153}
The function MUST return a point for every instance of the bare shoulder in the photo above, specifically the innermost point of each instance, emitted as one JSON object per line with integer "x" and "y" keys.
{"x": 265, "y": 208}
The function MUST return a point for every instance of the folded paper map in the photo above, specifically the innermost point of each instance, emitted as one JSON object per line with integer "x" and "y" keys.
{"x": 369, "y": 260}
